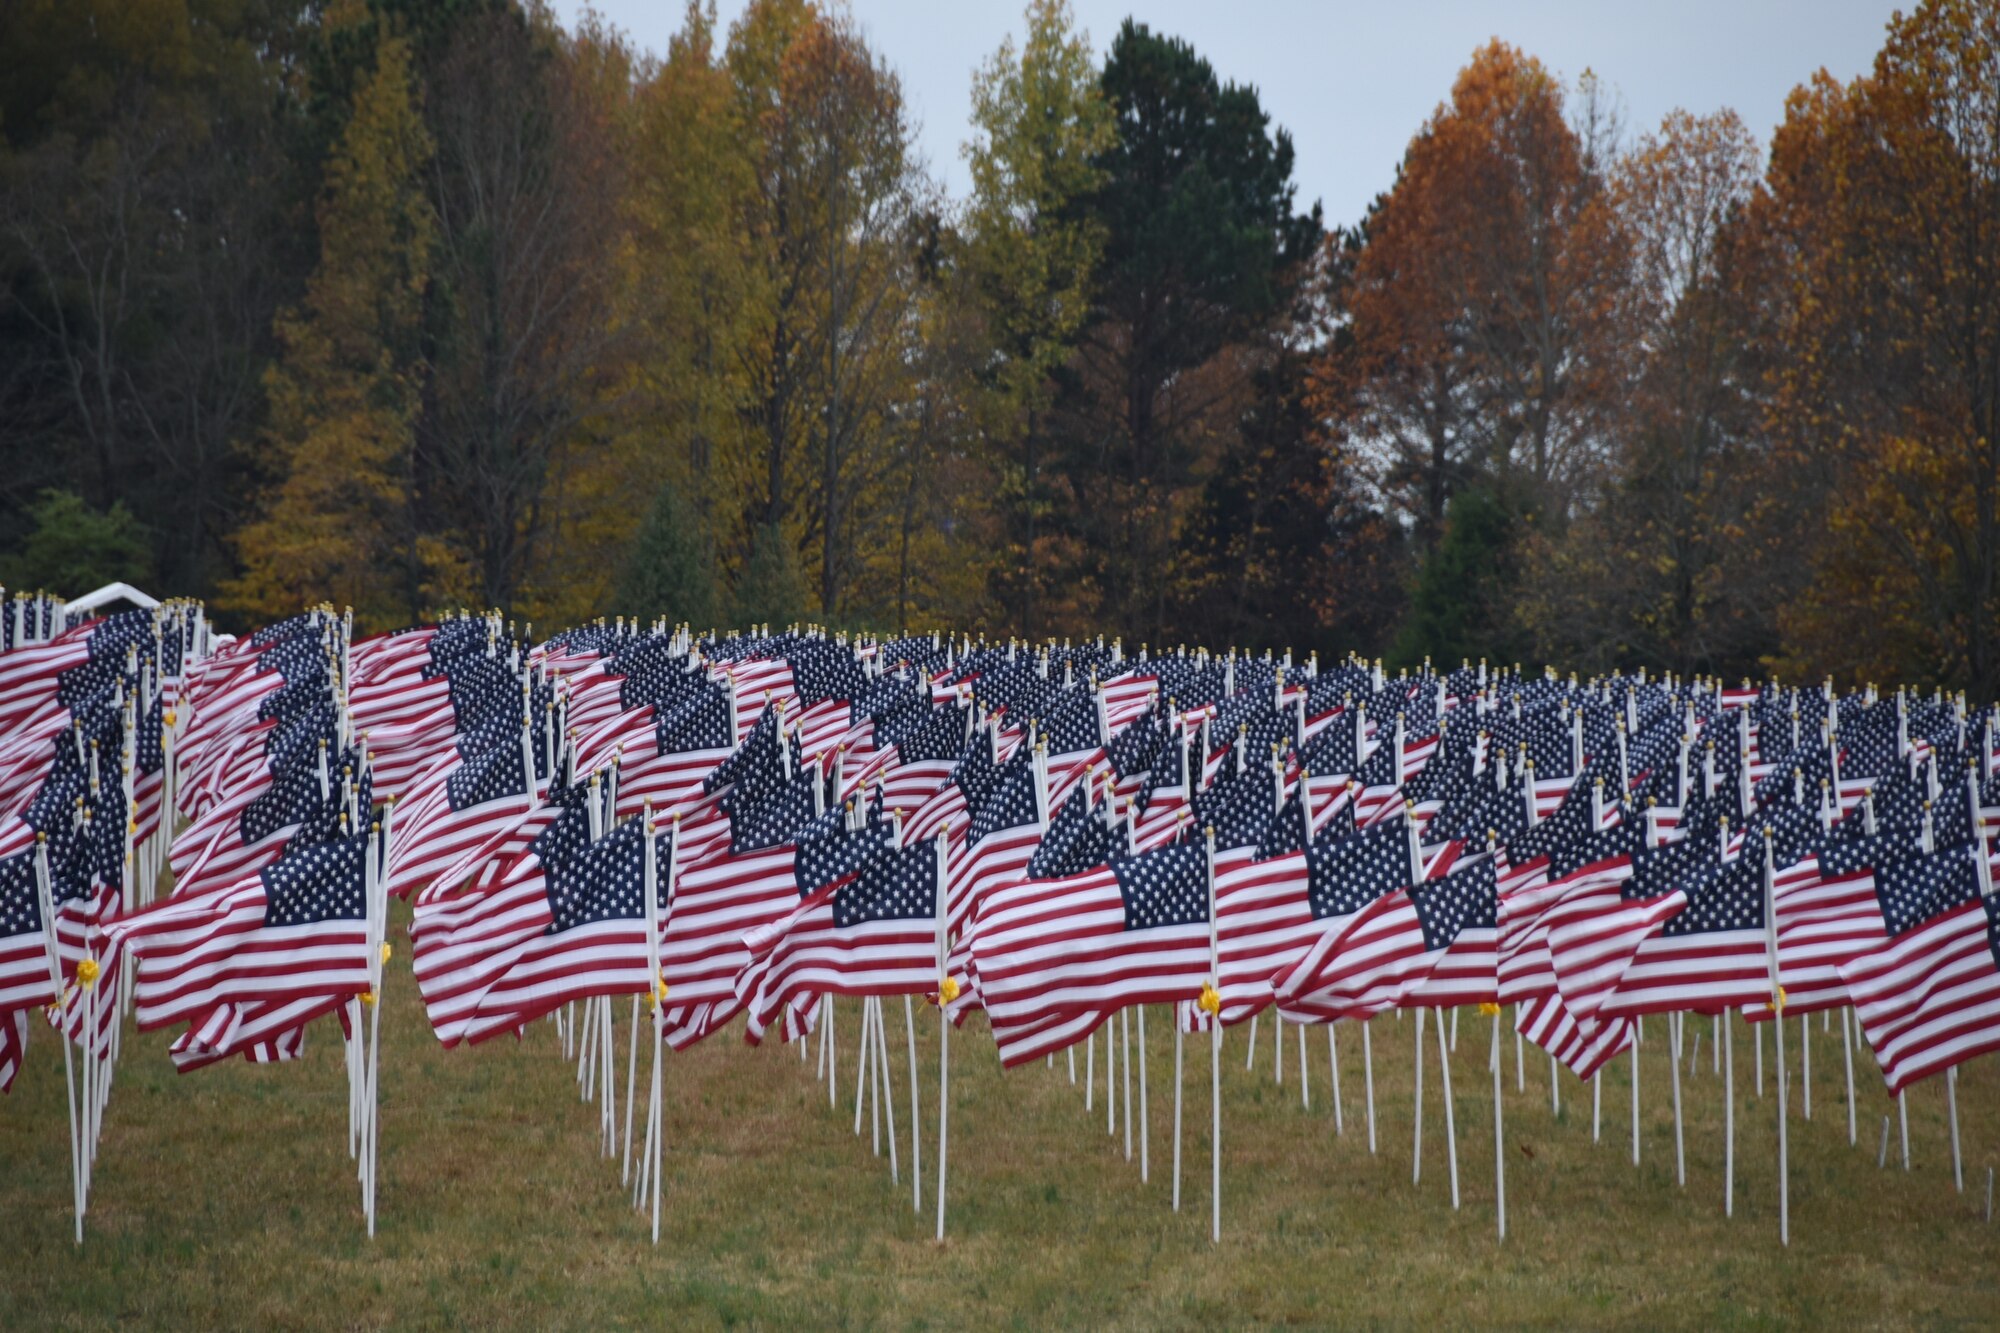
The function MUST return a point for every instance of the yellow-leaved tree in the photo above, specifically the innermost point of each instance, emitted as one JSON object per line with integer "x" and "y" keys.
{"x": 336, "y": 524}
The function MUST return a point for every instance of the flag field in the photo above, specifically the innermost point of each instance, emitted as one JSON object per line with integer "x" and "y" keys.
{"x": 226, "y": 1199}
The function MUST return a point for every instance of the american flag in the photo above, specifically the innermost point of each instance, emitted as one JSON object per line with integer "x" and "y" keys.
{"x": 1240, "y": 809}
{"x": 1606, "y": 896}
{"x": 1134, "y": 932}
{"x": 1344, "y": 877}
{"x": 1713, "y": 954}
{"x": 471, "y": 809}
{"x": 255, "y": 832}
{"x": 1002, "y": 837}
{"x": 1265, "y": 920}
{"x": 926, "y": 753}
{"x": 585, "y": 935}
{"x": 717, "y": 904}
{"x": 999, "y": 844}
{"x": 1829, "y": 914}
{"x": 1928, "y": 996}
{"x": 874, "y": 932}
{"x": 667, "y": 754}
{"x": 283, "y": 946}
{"x": 1582, "y": 1048}
{"x": 463, "y": 934}
{"x": 823, "y": 671}
{"x": 24, "y": 949}
{"x": 1391, "y": 947}
{"x": 1079, "y": 836}
{"x": 1468, "y": 973}
{"x": 774, "y": 817}
{"x": 762, "y": 763}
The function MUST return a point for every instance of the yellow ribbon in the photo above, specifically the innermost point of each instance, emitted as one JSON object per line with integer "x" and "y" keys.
{"x": 1779, "y": 1003}
{"x": 948, "y": 990}
{"x": 368, "y": 997}
{"x": 657, "y": 996}
{"x": 88, "y": 971}
{"x": 1488, "y": 1009}
{"x": 1211, "y": 999}
{"x": 386, "y": 951}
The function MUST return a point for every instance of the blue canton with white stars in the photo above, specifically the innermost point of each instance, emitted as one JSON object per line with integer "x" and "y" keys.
{"x": 323, "y": 882}
{"x": 1344, "y": 876}
{"x": 1168, "y": 887}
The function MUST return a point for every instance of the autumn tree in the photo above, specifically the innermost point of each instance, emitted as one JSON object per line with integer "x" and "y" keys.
{"x": 1482, "y": 286}
{"x": 1040, "y": 124}
{"x": 518, "y": 349}
{"x": 828, "y": 225}
{"x": 685, "y": 290}
{"x": 1665, "y": 565}
{"x": 153, "y": 220}
{"x": 1887, "y": 200}
{"x": 339, "y": 522}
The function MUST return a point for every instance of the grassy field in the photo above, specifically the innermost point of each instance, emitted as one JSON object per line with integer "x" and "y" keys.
{"x": 225, "y": 1197}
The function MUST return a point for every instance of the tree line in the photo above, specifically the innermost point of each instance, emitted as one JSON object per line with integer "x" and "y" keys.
{"x": 412, "y": 304}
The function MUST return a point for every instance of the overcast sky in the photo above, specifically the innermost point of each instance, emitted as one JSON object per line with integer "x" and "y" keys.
{"x": 1352, "y": 82}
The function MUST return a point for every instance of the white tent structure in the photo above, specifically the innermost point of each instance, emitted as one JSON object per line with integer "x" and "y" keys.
{"x": 109, "y": 594}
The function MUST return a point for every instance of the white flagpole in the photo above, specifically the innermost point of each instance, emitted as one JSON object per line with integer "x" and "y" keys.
{"x": 1805, "y": 1070}
{"x": 1368, "y": 1076}
{"x": 862, "y": 1041}
{"x": 1499, "y": 1132}
{"x": 1676, "y": 1029}
{"x": 872, "y": 1075}
{"x": 1635, "y": 1103}
{"x": 46, "y": 905}
{"x": 1417, "y": 1107}
{"x": 886, "y": 1088}
{"x": 1145, "y": 1127}
{"x": 1778, "y": 1026}
{"x": 1450, "y": 1125}
{"x": 1110, "y": 1075}
{"x": 1125, "y": 1065}
{"x": 1951, "y": 1101}
{"x": 1520, "y": 1053}
{"x": 656, "y": 987}
{"x": 1179, "y": 1043}
{"x": 1728, "y": 1116}
{"x": 916, "y": 1123}
{"x": 631, "y": 1090}
{"x": 1333, "y": 1070}
{"x": 819, "y": 1068}
{"x": 610, "y": 1115}
{"x": 376, "y": 881}
{"x": 1214, "y": 1053}
{"x": 944, "y": 1044}
{"x": 1847, "y": 1043}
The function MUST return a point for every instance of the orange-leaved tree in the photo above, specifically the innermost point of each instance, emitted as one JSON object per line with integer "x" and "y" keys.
{"x": 1887, "y": 195}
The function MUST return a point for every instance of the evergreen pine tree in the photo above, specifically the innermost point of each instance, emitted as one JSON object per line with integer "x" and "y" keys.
{"x": 345, "y": 394}
{"x": 670, "y": 570}
{"x": 772, "y": 588}
{"x": 1459, "y": 606}
{"x": 72, "y": 548}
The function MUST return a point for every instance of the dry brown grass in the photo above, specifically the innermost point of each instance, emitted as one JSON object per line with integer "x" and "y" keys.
{"x": 225, "y": 1198}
